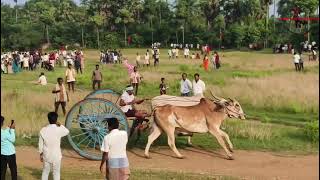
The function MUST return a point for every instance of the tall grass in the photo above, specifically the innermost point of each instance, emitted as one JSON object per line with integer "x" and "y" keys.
{"x": 264, "y": 84}
{"x": 289, "y": 92}
{"x": 29, "y": 108}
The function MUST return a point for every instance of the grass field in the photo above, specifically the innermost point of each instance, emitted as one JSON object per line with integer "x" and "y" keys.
{"x": 32, "y": 173}
{"x": 278, "y": 101}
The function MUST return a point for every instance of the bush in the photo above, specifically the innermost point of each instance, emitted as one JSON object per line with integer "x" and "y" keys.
{"x": 311, "y": 131}
{"x": 137, "y": 40}
{"x": 110, "y": 40}
{"x": 184, "y": 68}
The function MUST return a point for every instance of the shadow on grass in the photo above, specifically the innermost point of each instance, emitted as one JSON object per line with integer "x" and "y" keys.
{"x": 35, "y": 173}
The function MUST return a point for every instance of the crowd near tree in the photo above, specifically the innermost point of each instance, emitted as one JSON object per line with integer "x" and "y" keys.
{"x": 136, "y": 23}
{"x": 17, "y": 61}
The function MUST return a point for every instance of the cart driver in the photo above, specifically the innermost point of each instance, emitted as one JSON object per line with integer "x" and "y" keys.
{"x": 127, "y": 100}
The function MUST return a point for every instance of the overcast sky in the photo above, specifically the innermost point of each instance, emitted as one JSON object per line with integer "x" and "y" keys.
{"x": 11, "y": 2}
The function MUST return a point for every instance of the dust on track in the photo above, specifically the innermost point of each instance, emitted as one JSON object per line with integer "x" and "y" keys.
{"x": 247, "y": 164}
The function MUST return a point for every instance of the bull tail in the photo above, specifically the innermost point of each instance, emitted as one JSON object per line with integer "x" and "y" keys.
{"x": 155, "y": 119}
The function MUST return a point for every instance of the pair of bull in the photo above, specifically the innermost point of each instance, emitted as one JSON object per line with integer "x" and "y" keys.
{"x": 206, "y": 116}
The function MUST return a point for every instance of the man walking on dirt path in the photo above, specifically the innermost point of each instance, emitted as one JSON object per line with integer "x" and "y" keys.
{"x": 49, "y": 146}
{"x": 70, "y": 77}
{"x": 135, "y": 79}
{"x": 61, "y": 96}
{"x": 96, "y": 78}
{"x": 114, "y": 152}
{"x": 8, "y": 152}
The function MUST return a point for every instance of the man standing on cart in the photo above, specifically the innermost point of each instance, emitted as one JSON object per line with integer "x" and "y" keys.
{"x": 127, "y": 100}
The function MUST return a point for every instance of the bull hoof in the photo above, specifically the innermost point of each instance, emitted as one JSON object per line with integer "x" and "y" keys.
{"x": 180, "y": 157}
{"x": 230, "y": 158}
{"x": 147, "y": 156}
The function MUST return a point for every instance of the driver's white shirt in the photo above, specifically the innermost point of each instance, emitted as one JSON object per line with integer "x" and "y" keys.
{"x": 126, "y": 98}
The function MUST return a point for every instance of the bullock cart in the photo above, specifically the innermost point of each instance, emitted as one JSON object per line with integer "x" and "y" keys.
{"x": 86, "y": 122}
{"x": 86, "y": 119}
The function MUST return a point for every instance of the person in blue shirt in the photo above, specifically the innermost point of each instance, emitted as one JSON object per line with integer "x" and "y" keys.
{"x": 8, "y": 152}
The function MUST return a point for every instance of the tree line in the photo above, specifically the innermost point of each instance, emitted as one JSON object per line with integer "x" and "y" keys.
{"x": 110, "y": 24}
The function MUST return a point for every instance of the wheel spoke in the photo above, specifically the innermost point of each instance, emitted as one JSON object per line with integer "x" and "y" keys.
{"x": 80, "y": 134}
{"x": 99, "y": 140}
{"x": 83, "y": 140}
{"x": 88, "y": 143}
{"x": 94, "y": 144}
{"x": 86, "y": 124}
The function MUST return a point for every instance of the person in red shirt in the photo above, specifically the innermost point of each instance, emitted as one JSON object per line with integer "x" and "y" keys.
{"x": 296, "y": 14}
{"x": 217, "y": 59}
{"x": 206, "y": 63}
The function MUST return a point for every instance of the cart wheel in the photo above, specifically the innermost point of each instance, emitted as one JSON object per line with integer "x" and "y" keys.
{"x": 108, "y": 94}
{"x": 87, "y": 125}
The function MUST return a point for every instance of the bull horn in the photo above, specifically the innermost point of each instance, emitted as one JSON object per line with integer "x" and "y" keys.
{"x": 230, "y": 99}
{"x": 217, "y": 98}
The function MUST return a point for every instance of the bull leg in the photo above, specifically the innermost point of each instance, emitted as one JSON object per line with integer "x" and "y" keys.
{"x": 218, "y": 136}
{"x": 189, "y": 141}
{"x": 156, "y": 131}
{"x": 226, "y": 137}
{"x": 186, "y": 134}
{"x": 171, "y": 142}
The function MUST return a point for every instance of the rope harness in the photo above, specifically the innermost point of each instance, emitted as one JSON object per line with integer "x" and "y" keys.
{"x": 228, "y": 110}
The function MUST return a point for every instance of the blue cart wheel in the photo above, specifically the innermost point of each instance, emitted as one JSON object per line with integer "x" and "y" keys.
{"x": 108, "y": 94}
{"x": 87, "y": 125}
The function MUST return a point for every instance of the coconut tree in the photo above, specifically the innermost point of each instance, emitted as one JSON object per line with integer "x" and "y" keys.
{"x": 97, "y": 21}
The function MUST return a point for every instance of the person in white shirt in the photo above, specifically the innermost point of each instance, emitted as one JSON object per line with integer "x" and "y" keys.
{"x": 64, "y": 55}
{"x": 21, "y": 60}
{"x": 127, "y": 100}
{"x": 185, "y": 85}
{"x": 309, "y": 47}
{"x": 193, "y": 56}
{"x": 198, "y": 86}
{"x": 314, "y": 54}
{"x": 114, "y": 152}
{"x": 300, "y": 61}
{"x": 138, "y": 60}
{"x": 170, "y": 53}
{"x": 49, "y": 146}
{"x": 187, "y": 53}
{"x": 135, "y": 79}
{"x": 70, "y": 77}
{"x": 115, "y": 58}
{"x": 296, "y": 59}
{"x": 44, "y": 60}
{"x": 25, "y": 62}
{"x": 147, "y": 59}
{"x": 42, "y": 79}
{"x": 173, "y": 50}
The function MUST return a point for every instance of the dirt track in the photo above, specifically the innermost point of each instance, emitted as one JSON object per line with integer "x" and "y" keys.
{"x": 247, "y": 164}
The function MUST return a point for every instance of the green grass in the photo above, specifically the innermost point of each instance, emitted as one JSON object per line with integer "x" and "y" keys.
{"x": 245, "y": 135}
{"x": 27, "y": 173}
{"x": 284, "y": 116}
{"x": 28, "y": 103}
